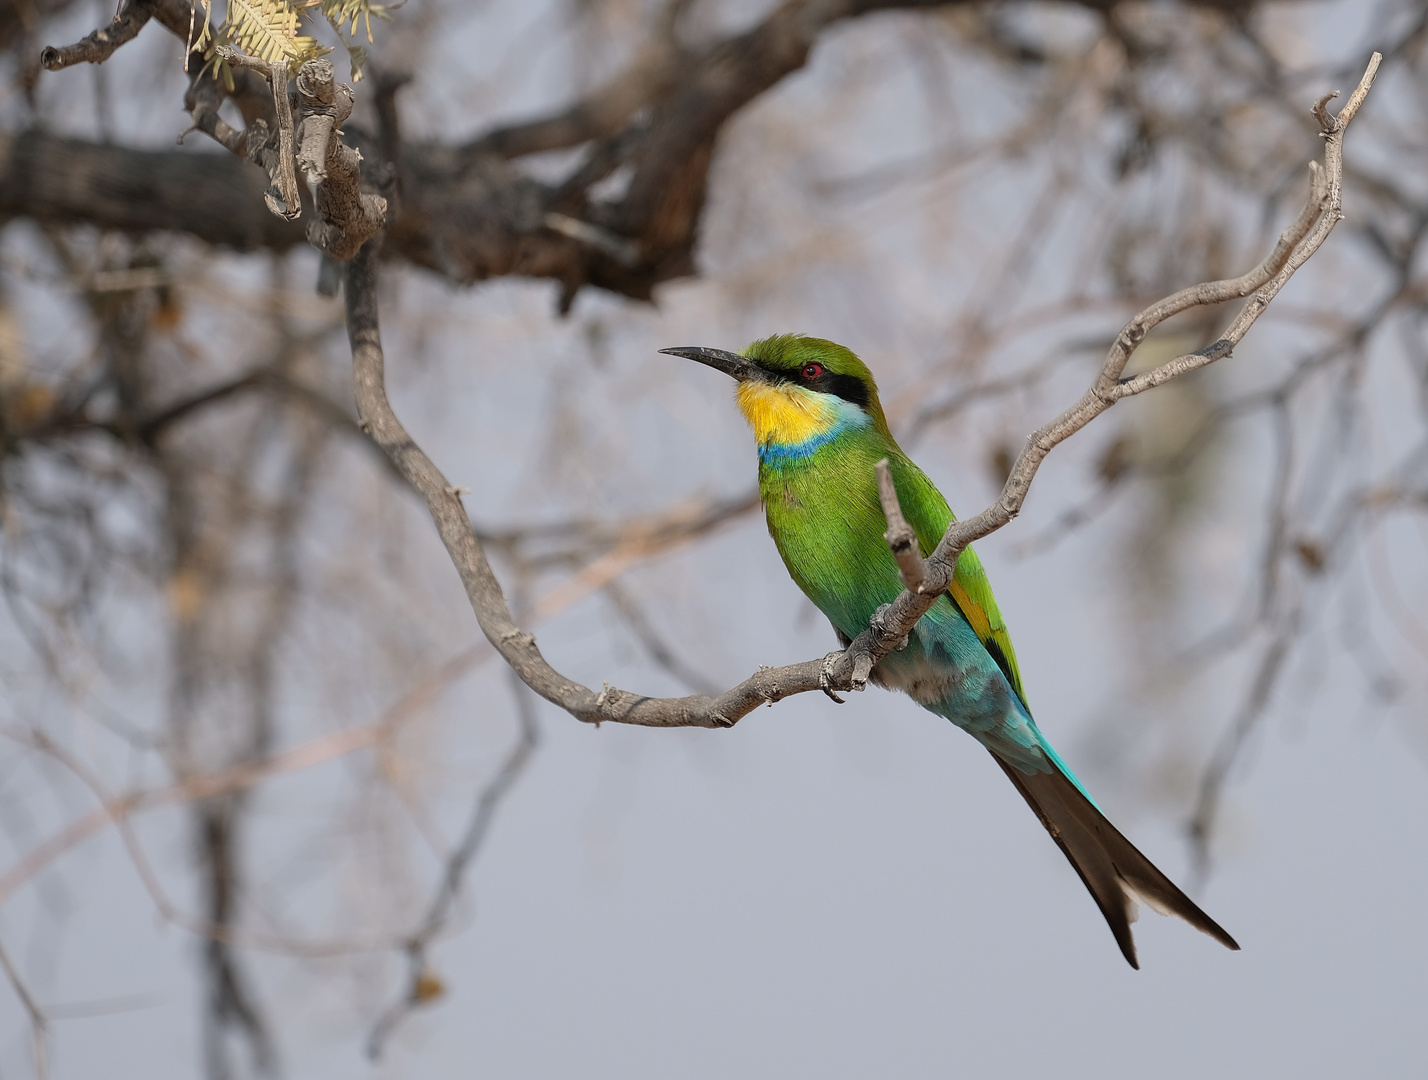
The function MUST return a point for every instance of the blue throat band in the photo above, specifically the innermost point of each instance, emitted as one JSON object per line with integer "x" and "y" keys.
{"x": 849, "y": 418}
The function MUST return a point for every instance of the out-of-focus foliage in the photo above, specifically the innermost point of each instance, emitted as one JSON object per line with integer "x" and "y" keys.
{"x": 268, "y": 29}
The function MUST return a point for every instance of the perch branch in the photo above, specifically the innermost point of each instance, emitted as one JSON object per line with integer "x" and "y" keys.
{"x": 891, "y": 625}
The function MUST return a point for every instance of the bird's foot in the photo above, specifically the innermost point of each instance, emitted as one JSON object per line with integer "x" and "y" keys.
{"x": 825, "y": 677}
{"x": 879, "y": 623}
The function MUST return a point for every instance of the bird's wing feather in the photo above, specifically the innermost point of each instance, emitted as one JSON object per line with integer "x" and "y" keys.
{"x": 929, "y": 515}
{"x": 972, "y": 593}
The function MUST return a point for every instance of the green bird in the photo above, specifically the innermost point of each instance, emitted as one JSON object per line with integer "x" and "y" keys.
{"x": 814, "y": 410}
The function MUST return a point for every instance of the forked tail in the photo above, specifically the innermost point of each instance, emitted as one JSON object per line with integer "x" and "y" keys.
{"x": 1114, "y": 871}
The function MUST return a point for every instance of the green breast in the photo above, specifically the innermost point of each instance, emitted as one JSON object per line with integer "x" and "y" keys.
{"x": 827, "y": 521}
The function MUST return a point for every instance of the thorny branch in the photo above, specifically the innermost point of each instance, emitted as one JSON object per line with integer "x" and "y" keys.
{"x": 848, "y": 670}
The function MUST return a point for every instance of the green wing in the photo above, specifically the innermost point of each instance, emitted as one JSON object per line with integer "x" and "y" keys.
{"x": 929, "y": 515}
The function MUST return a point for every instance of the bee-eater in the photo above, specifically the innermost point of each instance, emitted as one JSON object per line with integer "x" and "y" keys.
{"x": 814, "y": 410}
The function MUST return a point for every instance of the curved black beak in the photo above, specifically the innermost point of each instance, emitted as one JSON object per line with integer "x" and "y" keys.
{"x": 732, "y": 364}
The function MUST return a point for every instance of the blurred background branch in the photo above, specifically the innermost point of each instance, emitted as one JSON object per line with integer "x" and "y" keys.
{"x": 211, "y": 587}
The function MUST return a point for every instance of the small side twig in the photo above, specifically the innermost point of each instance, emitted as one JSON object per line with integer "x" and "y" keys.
{"x": 282, "y": 195}
{"x": 902, "y": 541}
{"x": 39, "y": 1023}
{"x": 203, "y": 100}
{"x": 423, "y": 984}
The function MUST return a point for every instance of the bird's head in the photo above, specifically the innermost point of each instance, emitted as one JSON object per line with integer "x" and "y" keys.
{"x": 793, "y": 388}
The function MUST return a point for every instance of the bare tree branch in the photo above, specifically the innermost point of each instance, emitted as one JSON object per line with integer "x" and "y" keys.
{"x": 39, "y": 1023}
{"x": 472, "y": 211}
{"x": 100, "y": 45}
{"x": 282, "y": 195}
{"x": 51, "y": 178}
{"x": 848, "y": 670}
{"x": 347, "y": 217}
{"x": 639, "y": 540}
{"x": 468, "y": 214}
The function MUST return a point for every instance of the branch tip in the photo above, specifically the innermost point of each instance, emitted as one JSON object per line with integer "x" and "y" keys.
{"x": 1328, "y": 124}
{"x": 900, "y": 536}
{"x": 101, "y": 44}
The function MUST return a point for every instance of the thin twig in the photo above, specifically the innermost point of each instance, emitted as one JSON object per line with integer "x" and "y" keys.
{"x": 658, "y": 648}
{"x": 39, "y": 1023}
{"x": 282, "y": 197}
{"x": 646, "y": 537}
{"x": 423, "y": 985}
{"x": 901, "y": 539}
{"x": 1212, "y": 781}
{"x": 240, "y": 777}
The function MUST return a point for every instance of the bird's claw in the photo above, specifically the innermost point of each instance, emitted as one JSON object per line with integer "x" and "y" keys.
{"x": 862, "y": 669}
{"x": 879, "y": 623}
{"x": 825, "y": 677}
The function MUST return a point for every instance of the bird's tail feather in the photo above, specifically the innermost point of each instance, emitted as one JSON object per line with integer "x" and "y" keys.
{"x": 1114, "y": 871}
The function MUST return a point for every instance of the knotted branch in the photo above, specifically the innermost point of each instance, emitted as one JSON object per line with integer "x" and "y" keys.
{"x": 347, "y": 217}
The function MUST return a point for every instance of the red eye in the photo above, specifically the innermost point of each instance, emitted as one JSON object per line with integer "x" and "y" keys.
{"x": 812, "y": 371}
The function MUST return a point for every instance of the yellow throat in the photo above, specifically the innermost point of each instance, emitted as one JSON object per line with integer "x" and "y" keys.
{"x": 784, "y": 414}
